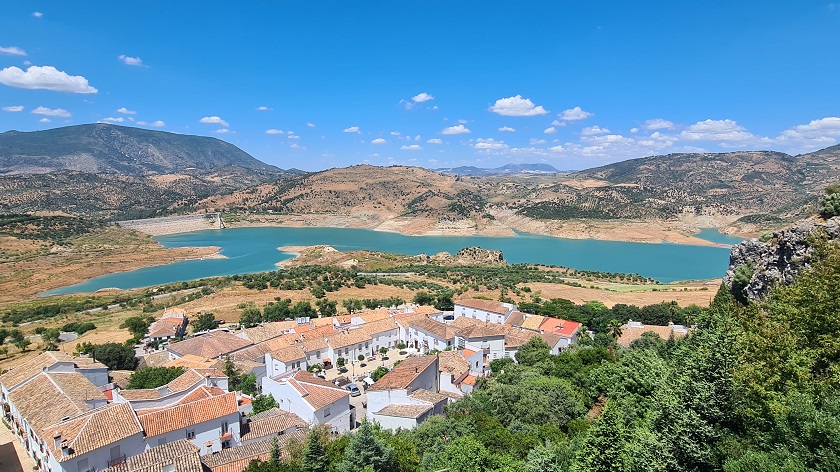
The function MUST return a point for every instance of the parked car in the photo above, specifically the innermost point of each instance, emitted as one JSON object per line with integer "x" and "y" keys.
{"x": 353, "y": 389}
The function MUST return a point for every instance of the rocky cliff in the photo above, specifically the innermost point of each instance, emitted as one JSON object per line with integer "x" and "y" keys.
{"x": 755, "y": 266}
{"x": 467, "y": 256}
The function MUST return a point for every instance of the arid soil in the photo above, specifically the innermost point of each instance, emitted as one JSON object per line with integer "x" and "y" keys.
{"x": 28, "y": 267}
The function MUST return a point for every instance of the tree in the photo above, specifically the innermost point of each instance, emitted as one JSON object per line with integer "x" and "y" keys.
{"x": 153, "y": 377}
{"x": 393, "y": 301}
{"x": 464, "y": 454}
{"x": 383, "y": 350}
{"x": 378, "y": 373}
{"x": 534, "y": 352}
{"x": 137, "y": 325}
{"x": 361, "y": 357}
{"x": 830, "y": 203}
{"x": 327, "y": 307}
{"x": 614, "y": 331}
{"x": 423, "y": 298}
{"x": 365, "y": 449}
{"x": 22, "y": 344}
{"x": 340, "y": 362}
{"x": 304, "y": 309}
{"x": 115, "y": 356}
{"x": 277, "y": 311}
{"x": 250, "y": 317}
{"x": 352, "y": 305}
{"x": 263, "y": 403}
{"x": 314, "y": 455}
{"x": 603, "y": 446}
{"x": 204, "y": 322}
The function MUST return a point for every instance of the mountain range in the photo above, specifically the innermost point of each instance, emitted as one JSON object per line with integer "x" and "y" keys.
{"x": 110, "y": 171}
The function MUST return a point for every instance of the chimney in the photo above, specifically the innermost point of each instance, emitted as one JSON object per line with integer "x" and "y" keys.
{"x": 207, "y": 380}
{"x": 57, "y": 440}
{"x": 65, "y": 449}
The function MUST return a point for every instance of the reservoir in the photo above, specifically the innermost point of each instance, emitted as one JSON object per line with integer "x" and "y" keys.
{"x": 249, "y": 250}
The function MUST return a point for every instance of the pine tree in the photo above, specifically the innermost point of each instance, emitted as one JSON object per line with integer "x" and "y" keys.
{"x": 365, "y": 449}
{"x": 314, "y": 456}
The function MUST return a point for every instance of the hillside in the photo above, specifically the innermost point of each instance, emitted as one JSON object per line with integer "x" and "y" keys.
{"x": 110, "y": 149}
{"x": 503, "y": 170}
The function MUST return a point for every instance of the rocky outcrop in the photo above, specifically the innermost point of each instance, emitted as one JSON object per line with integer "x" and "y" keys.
{"x": 467, "y": 256}
{"x": 756, "y": 266}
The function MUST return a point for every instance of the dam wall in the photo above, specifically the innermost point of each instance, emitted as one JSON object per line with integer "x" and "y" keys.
{"x": 175, "y": 224}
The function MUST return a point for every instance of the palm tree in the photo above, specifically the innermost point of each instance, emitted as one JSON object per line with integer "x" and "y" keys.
{"x": 614, "y": 330}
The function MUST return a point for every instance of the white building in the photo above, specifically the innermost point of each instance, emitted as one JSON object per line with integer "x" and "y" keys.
{"x": 427, "y": 334}
{"x": 407, "y": 395}
{"x": 484, "y": 310}
{"x": 211, "y": 423}
{"x": 313, "y": 399}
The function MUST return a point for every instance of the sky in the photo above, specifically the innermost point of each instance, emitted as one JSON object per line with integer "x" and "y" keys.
{"x": 314, "y": 84}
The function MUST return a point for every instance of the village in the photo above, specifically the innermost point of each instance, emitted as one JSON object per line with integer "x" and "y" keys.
{"x": 394, "y": 366}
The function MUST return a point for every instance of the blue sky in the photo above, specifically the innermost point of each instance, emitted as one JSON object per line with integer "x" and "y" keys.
{"x": 314, "y": 84}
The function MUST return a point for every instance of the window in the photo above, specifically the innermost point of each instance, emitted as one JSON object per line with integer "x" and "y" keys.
{"x": 190, "y": 434}
{"x": 225, "y": 444}
{"x": 224, "y": 427}
{"x": 318, "y": 354}
{"x": 327, "y": 412}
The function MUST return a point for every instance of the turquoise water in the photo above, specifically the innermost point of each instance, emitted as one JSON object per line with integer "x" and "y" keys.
{"x": 255, "y": 250}
{"x": 715, "y": 236}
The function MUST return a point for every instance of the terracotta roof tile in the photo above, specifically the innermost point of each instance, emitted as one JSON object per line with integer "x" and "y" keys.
{"x": 210, "y": 345}
{"x": 77, "y": 387}
{"x": 315, "y": 390}
{"x": 267, "y": 331}
{"x": 435, "y": 328}
{"x": 182, "y": 454}
{"x": 428, "y": 396}
{"x": 236, "y": 459}
{"x": 32, "y": 367}
{"x": 404, "y": 411}
{"x": 533, "y": 322}
{"x": 473, "y": 328}
{"x": 182, "y": 416}
{"x": 288, "y": 354}
{"x": 191, "y": 361}
{"x": 405, "y": 373}
{"x": 453, "y": 363}
{"x": 270, "y": 423}
{"x": 515, "y": 319}
{"x": 30, "y": 399}
{"x": 560, "y": 326}
{"x": 491, "y": 306}
{"x": 93, "y": 430}
{"x": 373, "y": 315}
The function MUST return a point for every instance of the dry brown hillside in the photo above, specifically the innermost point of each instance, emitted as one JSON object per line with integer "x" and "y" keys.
{"x": 386, "y": 191}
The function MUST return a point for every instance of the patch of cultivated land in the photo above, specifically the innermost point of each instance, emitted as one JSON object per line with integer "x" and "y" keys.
{"x": 28, "y": 268}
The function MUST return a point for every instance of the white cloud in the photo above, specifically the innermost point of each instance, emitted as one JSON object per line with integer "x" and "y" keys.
{"x": 352, "y": 129}
{"x": 594, "y": 130}
{"x": 418, "y": 138}
{"x": 413, "y": 147}
{"x": 558, "y": 123}
{"x": 457, "y": 129}
{"x": 550, "y": 130}
{"x": 126, "y": 111}
{"x": 130, "y": 61}
{"x": 222, "y": 131}
{"x": 657, "y": 123}
{"x": 557, "y": 148}
{"x": 534, "y": 141}
{"x": 297, "y": 146}
{"x": 37, "y": 14}
{"x": 378, "y": 141}
{"x": 575, "y": 114}
{"x": 816, "y": 134}
{"x": 435, "y": 141}
{"x": 311, "y": 125}
{"x": 214, "y": 120}
{"x": 293, "y": 136}
{"x": 13, "y": 108}
{"x": 274, "y": 131}
{"x": 45, "y": 120}
{"x": 45, "y": 77}
{"x": 263, "y": 108}
{"x": 489, "y": 144}
{"x": 507, "y": 129}
{"x": 156, "y": 124}
{"x": 111, "y": 119}
{"x": 12, "y": 51}
{"x": 463, "y": 121}
{"x": 422, "y": 97}
{"x": 395, "y": 133}
{"x": 517, "y": 106}
{"x": 61, "y": 112}
{"x": 634, "y": 130}
{"x": 716, "y": 130}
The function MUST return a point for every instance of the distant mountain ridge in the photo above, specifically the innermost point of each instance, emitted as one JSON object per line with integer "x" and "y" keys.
{"x": 111, "y": 149}
{"x": 505, "y": 169}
